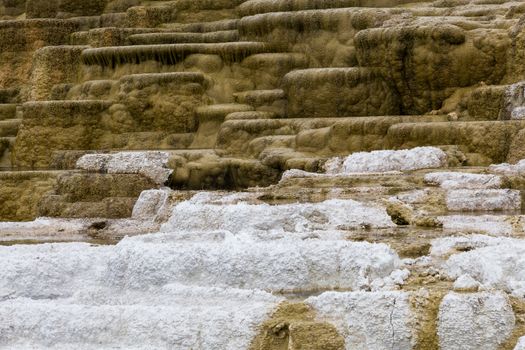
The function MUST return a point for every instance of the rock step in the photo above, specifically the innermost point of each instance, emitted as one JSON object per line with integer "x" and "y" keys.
{"x": 112, "y": 36}
{"x": 9, "y": 96}
{"x": 7, "y": 111}
{"x": 110, "y": 207}
{"x": 220, "y": 111}
{"x": 268, "y": 69}
{"x": 339, "y": 135}
{"x": 66, "y": 108}
{"x": 250, "y": 115}
{"x": 262, "y": 25}
{"x": 103, "y": 89}
{"x": 313, "y": 265}
{"x": 483, "y": 200}
{"x": 170, "y": 53}
{"x": 139, "y": 81}
{"x": 21, "y": 192}
{"x": 260, "y": 144}
{"x": 324, "y": 92}
{"x": 210, "y": 119}
{"x": 462, "y": 180}
{"x": 166, "y": 319}
{"x": 207, "y": 27}
{"x": 496, "y": 102}
{"x": 107, "y": 89}
{"x": 180, "y": 38}
{"x": 258, "y": 98}
{"x": 91, "y": 187}
{"x": 492, "y": 224}
{"x": 150, "y": 16}
{"x": 492, "y": 147}
{"x": 50, "y": 123}
{"x": 6, "y": 147}
{"x": 9, "y": 127}
{"x": 273, "y": 101}
{"x": 255, "y": 7}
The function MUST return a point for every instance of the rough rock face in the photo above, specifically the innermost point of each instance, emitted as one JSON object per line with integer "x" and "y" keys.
{"x": 262, "y": 174}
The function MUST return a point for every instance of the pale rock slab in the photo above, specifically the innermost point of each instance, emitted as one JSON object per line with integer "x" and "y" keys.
{"x": 251, "y": 218}
{"x": 151, "y": 164}
{"x": 368, "y": 320}
{"x": 442, "y": 247}
{"x": 386, "y": 161}
{"x": 483, "y": 200}
{"x": 173, "y": 316}
{"x": 500, "y": 265}
{"x": 509, "y": 169}
{"x": 149, "y": 204}
{"x": 75, "y": 230}
{"x": 474, "y": 321}
{"x": 51, "y": 270}
{"x": 457, "y": 180}
{"x": 496, "y": 225}
{"x": 43, "y": 229}
{"x": 412, "y": 197}
{"x": 282, "y": 265}
{"x": 59, "y": 270}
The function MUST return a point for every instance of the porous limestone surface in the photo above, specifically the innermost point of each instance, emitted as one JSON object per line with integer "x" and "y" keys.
{"x": 483, "y": 200}
{"x": 172, "y": 316}
{"x": 387, "y": 160}
{"x": 58, "y": 270}
{"x": 457, "y": 180}
{"x": 368, "y": 320}
{"x": 474, "y": 321}
{"x": 242, "y": 217}
{"x": 151, "y": 164}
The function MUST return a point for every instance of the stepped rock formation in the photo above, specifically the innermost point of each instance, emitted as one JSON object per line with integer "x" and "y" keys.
{"x": 262, "y": 174}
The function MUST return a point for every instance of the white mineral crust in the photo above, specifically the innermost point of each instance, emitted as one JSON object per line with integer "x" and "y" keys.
{"x": 474, "y": 321}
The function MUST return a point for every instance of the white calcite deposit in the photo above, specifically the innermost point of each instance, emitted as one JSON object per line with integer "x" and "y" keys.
{"x": 151, "y": 164}
{"x": 483, "y": 200}
{"x": 386, "y": 161}
{"x": 170, "y": 317}
{"x": 376, "y": 320}
{"x": 242, "y": 217}
{"x": 46, "y": 271}
{"x": 474, "y": 321}
{"x": 500, "y": 264}
{"x": 457, "y": 180}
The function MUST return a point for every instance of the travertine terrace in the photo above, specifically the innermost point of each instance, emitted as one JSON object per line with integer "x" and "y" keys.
{"x": 262, "y": 174}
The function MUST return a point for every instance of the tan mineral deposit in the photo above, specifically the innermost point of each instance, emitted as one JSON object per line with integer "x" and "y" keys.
{"x": 262, "y": 174}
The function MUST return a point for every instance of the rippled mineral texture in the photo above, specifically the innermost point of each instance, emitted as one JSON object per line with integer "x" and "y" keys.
{"x": 262, "y": 174}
